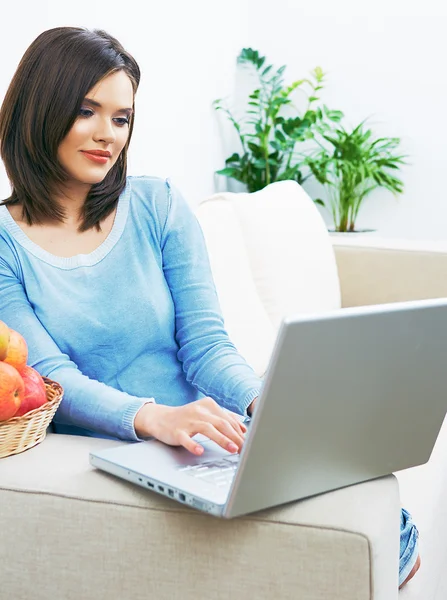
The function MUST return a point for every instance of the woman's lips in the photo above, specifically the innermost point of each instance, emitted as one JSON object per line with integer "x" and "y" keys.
{"x": 95, "y": 157}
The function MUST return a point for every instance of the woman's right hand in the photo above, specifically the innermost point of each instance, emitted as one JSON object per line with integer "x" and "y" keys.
{"x": 175, "y": 425}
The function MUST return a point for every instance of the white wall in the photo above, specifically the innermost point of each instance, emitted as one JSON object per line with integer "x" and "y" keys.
{"x": 384, "y": 59}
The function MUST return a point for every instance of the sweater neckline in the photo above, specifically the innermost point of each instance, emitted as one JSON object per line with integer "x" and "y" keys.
{"x": 79, "y": 260}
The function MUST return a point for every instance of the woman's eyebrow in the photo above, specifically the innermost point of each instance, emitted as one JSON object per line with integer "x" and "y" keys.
{"x": 126, "y": 111}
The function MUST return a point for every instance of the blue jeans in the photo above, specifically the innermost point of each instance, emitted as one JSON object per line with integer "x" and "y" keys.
{"x": 409, "y": 547}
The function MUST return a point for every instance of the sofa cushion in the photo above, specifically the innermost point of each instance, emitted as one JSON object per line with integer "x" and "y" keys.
{"x": 68, "y": 527}
{"x": 246, "y": 319}
{"x": 273, "y": 247}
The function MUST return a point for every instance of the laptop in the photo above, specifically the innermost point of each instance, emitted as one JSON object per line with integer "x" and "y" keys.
{"x": 349, "y": 395}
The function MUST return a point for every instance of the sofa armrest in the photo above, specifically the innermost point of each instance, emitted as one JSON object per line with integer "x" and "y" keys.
{"x": 376, "y": 271}
{"x": 92, "y": 536}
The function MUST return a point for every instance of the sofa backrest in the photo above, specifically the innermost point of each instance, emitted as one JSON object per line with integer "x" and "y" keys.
{"x": 271, "y": 257}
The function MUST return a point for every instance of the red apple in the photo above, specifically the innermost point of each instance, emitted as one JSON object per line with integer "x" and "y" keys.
{"x": 12, "y": 390}
{"x": 17, "y": 354}
{"x": 4, "y": 340}
{"x": 35, "y": 391}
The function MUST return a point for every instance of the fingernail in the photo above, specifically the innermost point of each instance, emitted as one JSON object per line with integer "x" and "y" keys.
{"x": 199, "y": 449}
{"x": 232, "y": 447}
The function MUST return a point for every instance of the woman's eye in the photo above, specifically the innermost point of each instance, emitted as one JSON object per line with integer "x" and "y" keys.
{"x": 85, "y": 112}
{"x": 120, "y": 121}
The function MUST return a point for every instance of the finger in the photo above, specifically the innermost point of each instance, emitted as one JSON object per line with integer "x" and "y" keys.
{"x": 224, "y": 441}
{"x": 237, "y": 428}
{"x": 187, "y": 442}
{"x": 217, "y": 410}
{"x": 229, "y": 424}
{"x": 231, "y": 430}
{"x": 238, "y": 425}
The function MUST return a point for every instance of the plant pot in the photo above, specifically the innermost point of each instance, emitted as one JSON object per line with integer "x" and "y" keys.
{"x": 351, "y": 233}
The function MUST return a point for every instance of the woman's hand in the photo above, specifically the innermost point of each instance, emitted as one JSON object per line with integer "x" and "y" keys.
{"x": 175, "y": 425}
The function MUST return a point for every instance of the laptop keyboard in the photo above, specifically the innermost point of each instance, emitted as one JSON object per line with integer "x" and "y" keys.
{"x": 218, "y": 472}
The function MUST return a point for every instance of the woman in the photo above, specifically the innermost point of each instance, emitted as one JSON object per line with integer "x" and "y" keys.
{"x": 107, "y": 277}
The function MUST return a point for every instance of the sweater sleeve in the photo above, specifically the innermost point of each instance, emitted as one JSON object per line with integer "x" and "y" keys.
{"x": 87, "y": 403}
{"x": 210, "y": 360}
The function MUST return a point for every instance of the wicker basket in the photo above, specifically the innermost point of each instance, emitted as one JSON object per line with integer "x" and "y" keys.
{"x": 20, "y": 433}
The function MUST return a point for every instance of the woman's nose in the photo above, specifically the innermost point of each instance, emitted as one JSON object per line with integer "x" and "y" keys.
{"x": 105, "y": 133}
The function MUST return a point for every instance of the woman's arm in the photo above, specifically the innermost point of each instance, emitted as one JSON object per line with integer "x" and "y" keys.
{"x": 210, "y": 361}
{"x": 87, "y": 403}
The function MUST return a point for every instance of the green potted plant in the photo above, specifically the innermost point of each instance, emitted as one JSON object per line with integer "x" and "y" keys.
{"x": 272, "y": 127}
{"x": 351, "y": 164}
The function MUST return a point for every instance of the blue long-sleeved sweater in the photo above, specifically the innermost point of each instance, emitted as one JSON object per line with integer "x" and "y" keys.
{"x": 137, "y": 318}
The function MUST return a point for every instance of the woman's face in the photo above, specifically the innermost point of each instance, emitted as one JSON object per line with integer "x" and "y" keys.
{"x": 100, "y": 132}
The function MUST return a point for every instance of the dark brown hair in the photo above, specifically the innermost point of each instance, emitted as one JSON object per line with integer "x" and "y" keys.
{"x": 41, "y": 105}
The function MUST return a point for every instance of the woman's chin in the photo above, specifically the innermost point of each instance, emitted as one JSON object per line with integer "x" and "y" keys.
{"x": 95, "y": 176}
{"x": 88, "y": 179}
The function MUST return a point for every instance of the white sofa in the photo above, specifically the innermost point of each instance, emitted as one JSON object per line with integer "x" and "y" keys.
{"x": 71, "y": 532}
